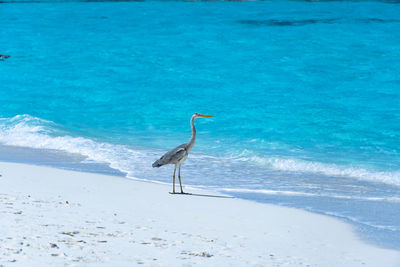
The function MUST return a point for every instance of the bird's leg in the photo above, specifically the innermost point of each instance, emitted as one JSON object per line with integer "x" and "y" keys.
{"x": 179, "y": 176}
{"x": 173, "y": 181}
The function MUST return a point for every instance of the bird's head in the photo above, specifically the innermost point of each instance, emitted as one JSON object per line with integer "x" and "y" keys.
{"x": 198, "y": 115}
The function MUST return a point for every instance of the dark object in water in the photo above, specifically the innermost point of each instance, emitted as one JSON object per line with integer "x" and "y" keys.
{"x": 276, "y": 22}
{"x": 303, "y": 22}
{"x": 2, "y": 57}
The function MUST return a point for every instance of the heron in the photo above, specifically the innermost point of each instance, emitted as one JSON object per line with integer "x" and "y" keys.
{"x": 180, "y": 153}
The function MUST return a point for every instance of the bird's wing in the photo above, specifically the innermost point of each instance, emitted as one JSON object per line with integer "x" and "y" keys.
{"x": 178, "y": 154}
{"x": 172, "y": 157}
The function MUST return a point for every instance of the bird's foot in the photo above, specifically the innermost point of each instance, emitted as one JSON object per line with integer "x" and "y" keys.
{"x": 181, "y": 193}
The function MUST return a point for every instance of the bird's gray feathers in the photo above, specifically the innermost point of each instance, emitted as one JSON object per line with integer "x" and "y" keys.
{"x": 172, "y": 157}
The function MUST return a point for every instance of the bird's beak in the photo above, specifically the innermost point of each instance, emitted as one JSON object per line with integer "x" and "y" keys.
{"x": 205, "y": 116}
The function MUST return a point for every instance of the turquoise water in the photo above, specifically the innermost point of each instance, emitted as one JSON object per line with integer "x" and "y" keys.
{"x": 305, "y": 97}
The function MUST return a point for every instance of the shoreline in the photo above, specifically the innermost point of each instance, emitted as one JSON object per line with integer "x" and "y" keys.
{"x": 371, "y": 234}
{"x": 54, "y": 216}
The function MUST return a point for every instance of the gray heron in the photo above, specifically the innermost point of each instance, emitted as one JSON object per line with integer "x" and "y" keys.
{"x": 179, "y": 154}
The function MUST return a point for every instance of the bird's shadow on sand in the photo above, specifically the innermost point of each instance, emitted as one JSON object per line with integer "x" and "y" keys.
{"x": 202, "y": 195}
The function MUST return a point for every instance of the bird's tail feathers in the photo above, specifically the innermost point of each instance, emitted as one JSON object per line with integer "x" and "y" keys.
{"x": 156, "y": 164}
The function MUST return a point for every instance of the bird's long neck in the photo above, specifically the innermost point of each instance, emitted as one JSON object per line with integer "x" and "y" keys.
{"x": 191, "y": 142}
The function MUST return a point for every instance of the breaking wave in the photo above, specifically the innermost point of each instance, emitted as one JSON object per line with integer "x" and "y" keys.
{"x": 303, "y": 166}
{"x": 33, "y": 132}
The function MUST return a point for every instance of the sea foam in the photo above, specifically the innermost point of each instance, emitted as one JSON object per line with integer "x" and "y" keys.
{"x": 33, "y": 132}
{"x": 391, "y": 199}
{"x": 326, "y": 169}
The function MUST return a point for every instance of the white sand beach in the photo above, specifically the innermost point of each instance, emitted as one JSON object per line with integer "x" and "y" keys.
{"x": 53, "y": 217}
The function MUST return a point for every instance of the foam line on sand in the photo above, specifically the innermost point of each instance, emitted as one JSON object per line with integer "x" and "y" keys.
{"x": 52, "y": 217}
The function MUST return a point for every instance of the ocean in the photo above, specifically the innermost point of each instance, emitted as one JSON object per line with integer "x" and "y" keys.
{"x": 305, "y": 98}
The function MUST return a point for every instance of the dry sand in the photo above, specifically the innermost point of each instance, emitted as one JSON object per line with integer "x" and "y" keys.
{"x": 52, "y": 217}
